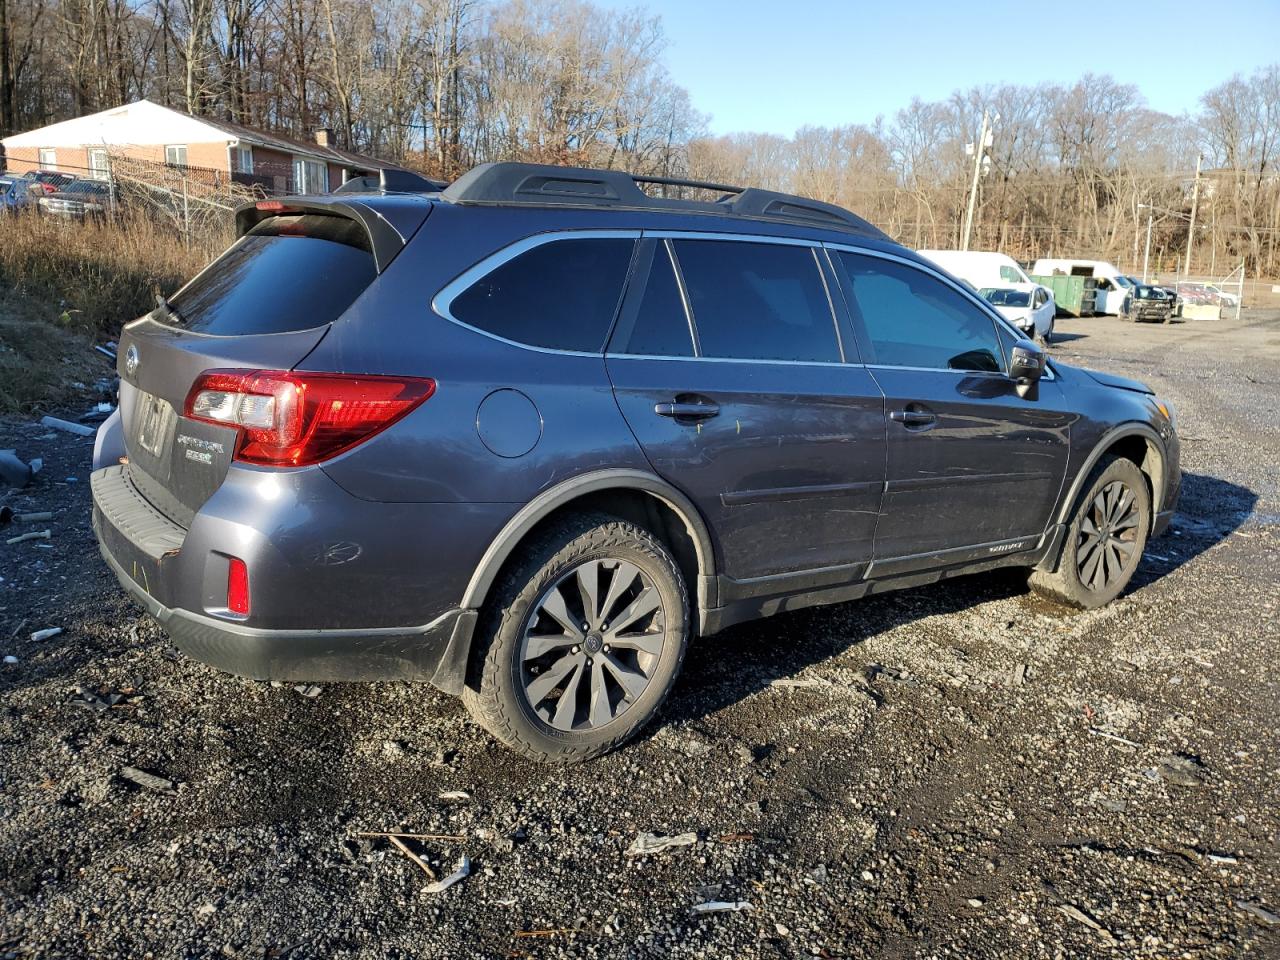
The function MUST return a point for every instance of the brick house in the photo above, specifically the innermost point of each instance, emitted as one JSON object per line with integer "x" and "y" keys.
{"x": 146, "y": 131}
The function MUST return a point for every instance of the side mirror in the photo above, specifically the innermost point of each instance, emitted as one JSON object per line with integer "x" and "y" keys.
{"x": 1026, "y": 367}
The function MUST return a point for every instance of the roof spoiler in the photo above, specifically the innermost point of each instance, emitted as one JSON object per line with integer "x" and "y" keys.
{"x": 387, "y": 235}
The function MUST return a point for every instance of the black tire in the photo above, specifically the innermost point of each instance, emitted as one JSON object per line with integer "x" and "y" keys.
{"x": 1088, "y": 539}
{"x": 502, "y": 669}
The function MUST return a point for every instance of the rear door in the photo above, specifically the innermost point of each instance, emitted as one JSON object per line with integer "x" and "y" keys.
{"x": 264, "y": 304}
{"x": 730, "y": 370}
{"x": 971, "y": 465}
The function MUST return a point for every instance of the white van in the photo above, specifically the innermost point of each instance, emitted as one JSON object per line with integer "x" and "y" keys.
{"x": 1114, "y": 288}
{"x": 979, "y": 268}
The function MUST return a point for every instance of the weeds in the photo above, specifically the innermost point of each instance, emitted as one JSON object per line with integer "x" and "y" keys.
{"x": 96, "y": 276}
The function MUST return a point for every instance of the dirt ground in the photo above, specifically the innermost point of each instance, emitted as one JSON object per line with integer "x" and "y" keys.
{"x": 959, "y": 770}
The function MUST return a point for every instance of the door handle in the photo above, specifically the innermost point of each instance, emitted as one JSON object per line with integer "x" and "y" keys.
{"x": 686, "y": 410}
{"x": 913, "y": 417}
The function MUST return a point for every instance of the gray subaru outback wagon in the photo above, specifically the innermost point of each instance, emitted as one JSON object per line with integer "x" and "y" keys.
{"x": 526, "y": 436}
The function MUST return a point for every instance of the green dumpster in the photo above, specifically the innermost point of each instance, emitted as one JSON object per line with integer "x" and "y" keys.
{"x": 1074, "y": 296}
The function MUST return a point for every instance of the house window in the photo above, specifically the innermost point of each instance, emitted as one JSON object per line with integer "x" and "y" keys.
{"x": 99, "y": 165}
{"x": 310, "y": 176}
{"x": 175, "y": 155}
{"x": 242, "y": 159}
{"x": 48, "y": 160}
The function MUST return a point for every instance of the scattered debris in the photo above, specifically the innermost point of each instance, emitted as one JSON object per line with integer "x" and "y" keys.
{"x": 977, "y": 902}
{"x": 647, "y": 843}
{"x": 66, "y": 425}
{"x": 98, "y": 702}
{"x": 544, "y": 933}
{"x": 462, "y": 872}
{"x": 1221, "y": 858}
{"x": 1180, "y": 769}
{"x": 817, "y": 875}
{"x": 105, "y": 352}
{"x": 15, "y": 472}
{"x": 737, "y": 837}
{"x": 1075, "y": 913}
{"x": 722, "y": 906}
{"x": 10, "y": 659}
{"x": 1019, "y": 675}
{"x": 452, "y": 838}
{"x": 403, "y": 848}
{"x": 1111, "y": 736}
{"x": 33, "y": 535}
{"x": 99, "y": 412}
{"x": 310, "y": 691}
{"x": 148, "y": 780}
{"x": 46, "y": 634}
{"x": 33, "y": 517}
{"x": 455, "y": 795}
{"x": 1257, "y": 910}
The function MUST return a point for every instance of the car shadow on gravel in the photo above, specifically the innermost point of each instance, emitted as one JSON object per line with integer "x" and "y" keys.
{"x": 727, "y": 667}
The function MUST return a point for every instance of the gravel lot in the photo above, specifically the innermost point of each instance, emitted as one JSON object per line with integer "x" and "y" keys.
{"x": 958, "y": 770}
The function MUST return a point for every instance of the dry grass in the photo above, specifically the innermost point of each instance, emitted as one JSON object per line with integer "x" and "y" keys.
{"x": 63, "y": 285}
{"x": 97, "y": 276}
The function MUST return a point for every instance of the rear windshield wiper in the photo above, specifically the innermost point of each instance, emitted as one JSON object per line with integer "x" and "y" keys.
{"x": 171, "y": 310}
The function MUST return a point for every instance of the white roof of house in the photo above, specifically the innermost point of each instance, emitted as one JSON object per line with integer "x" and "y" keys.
{"x": 143, "y": 123}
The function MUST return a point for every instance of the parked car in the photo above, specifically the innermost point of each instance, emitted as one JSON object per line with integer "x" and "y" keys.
{"x": 1028, "y": 306}
{"x": 1170, "y": 293}
{"x": 50, "y": 181}
{"x": 1206, "y": 293}
{"x": 527, "y": 437}
{"x": 1151, "y": 303}
{"x": 81, "y": 200}
{"x": 15, "y": 195}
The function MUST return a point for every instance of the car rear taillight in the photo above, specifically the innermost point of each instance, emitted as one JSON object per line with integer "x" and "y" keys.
{"x": 237, "y": 586}
{"x": 292, "y": 419}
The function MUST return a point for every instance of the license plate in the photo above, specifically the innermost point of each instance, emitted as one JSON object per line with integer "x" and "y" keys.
{"x": 152, "y": 421}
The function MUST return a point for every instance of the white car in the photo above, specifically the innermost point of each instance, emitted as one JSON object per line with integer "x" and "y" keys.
{"x": 1028, "y": 306}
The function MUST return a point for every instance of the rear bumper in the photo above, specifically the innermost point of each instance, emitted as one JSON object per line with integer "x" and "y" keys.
{"x": 336, "y": 631}
{"x": 420, "y": 653}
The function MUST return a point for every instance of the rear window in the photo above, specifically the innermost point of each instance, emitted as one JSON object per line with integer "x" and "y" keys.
{"x": 287, "y": 273}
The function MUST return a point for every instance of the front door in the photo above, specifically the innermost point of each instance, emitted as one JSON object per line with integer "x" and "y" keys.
{"x": 729, "y": 369}
{"x": 972, "y": 467}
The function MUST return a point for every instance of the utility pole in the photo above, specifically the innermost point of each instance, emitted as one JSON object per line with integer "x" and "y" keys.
{"x": 979, "y": 149}
{"x": 1146, "y": 254}
{"x": 1191, "y": 230}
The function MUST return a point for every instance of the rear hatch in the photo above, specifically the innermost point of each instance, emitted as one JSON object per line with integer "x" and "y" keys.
{"x": 263, "y": 305}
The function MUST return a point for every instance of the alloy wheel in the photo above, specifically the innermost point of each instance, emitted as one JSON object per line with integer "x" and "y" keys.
{"x": 591, "y": 645}
{"x": 1108, "y": 539}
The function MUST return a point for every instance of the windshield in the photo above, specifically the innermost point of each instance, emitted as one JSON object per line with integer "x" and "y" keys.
{"x": 86, "y": 186}
{"x": 1006, "y": 298}
{"x": 1123, "y": 282}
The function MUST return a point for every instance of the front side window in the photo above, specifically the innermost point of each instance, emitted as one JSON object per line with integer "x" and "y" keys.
{"x": 757, "y": 301}
{"x": 561, "y": 295}
{"x": 48, "y": 160}
{"x": 175, "y": 155}
{"x": 915, "y": 320}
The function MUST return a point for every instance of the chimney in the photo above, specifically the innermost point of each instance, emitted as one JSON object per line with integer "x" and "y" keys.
{"x": 324, "y": 136}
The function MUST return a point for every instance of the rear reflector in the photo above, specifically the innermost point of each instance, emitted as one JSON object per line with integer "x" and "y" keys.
{"x": 237, "y": 586}
{"x": 293, "y": 419}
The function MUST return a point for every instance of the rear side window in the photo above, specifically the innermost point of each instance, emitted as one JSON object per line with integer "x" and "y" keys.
{"x": 915, "y": 320}
{"x": 287, "y": 273}
{"x": 757, "y": 301}
{"x": 661, "y": 326}
{"x": 561, "y": 295}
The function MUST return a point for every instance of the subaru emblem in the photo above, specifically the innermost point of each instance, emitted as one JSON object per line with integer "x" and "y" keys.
{"x": 131, "y": 360}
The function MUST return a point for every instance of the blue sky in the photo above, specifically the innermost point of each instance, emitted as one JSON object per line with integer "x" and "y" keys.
{"x": 775, "y": 66}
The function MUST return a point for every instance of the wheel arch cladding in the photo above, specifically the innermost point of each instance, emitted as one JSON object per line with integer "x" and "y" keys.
{"x": 1132, "y": 441}
{"x": 631, "y": 495}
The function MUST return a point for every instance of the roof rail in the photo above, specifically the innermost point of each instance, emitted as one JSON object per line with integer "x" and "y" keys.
{"x": 535, "y": 184}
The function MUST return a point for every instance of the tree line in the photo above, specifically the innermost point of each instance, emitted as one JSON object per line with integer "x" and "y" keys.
{"x": 439, "y": 85}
